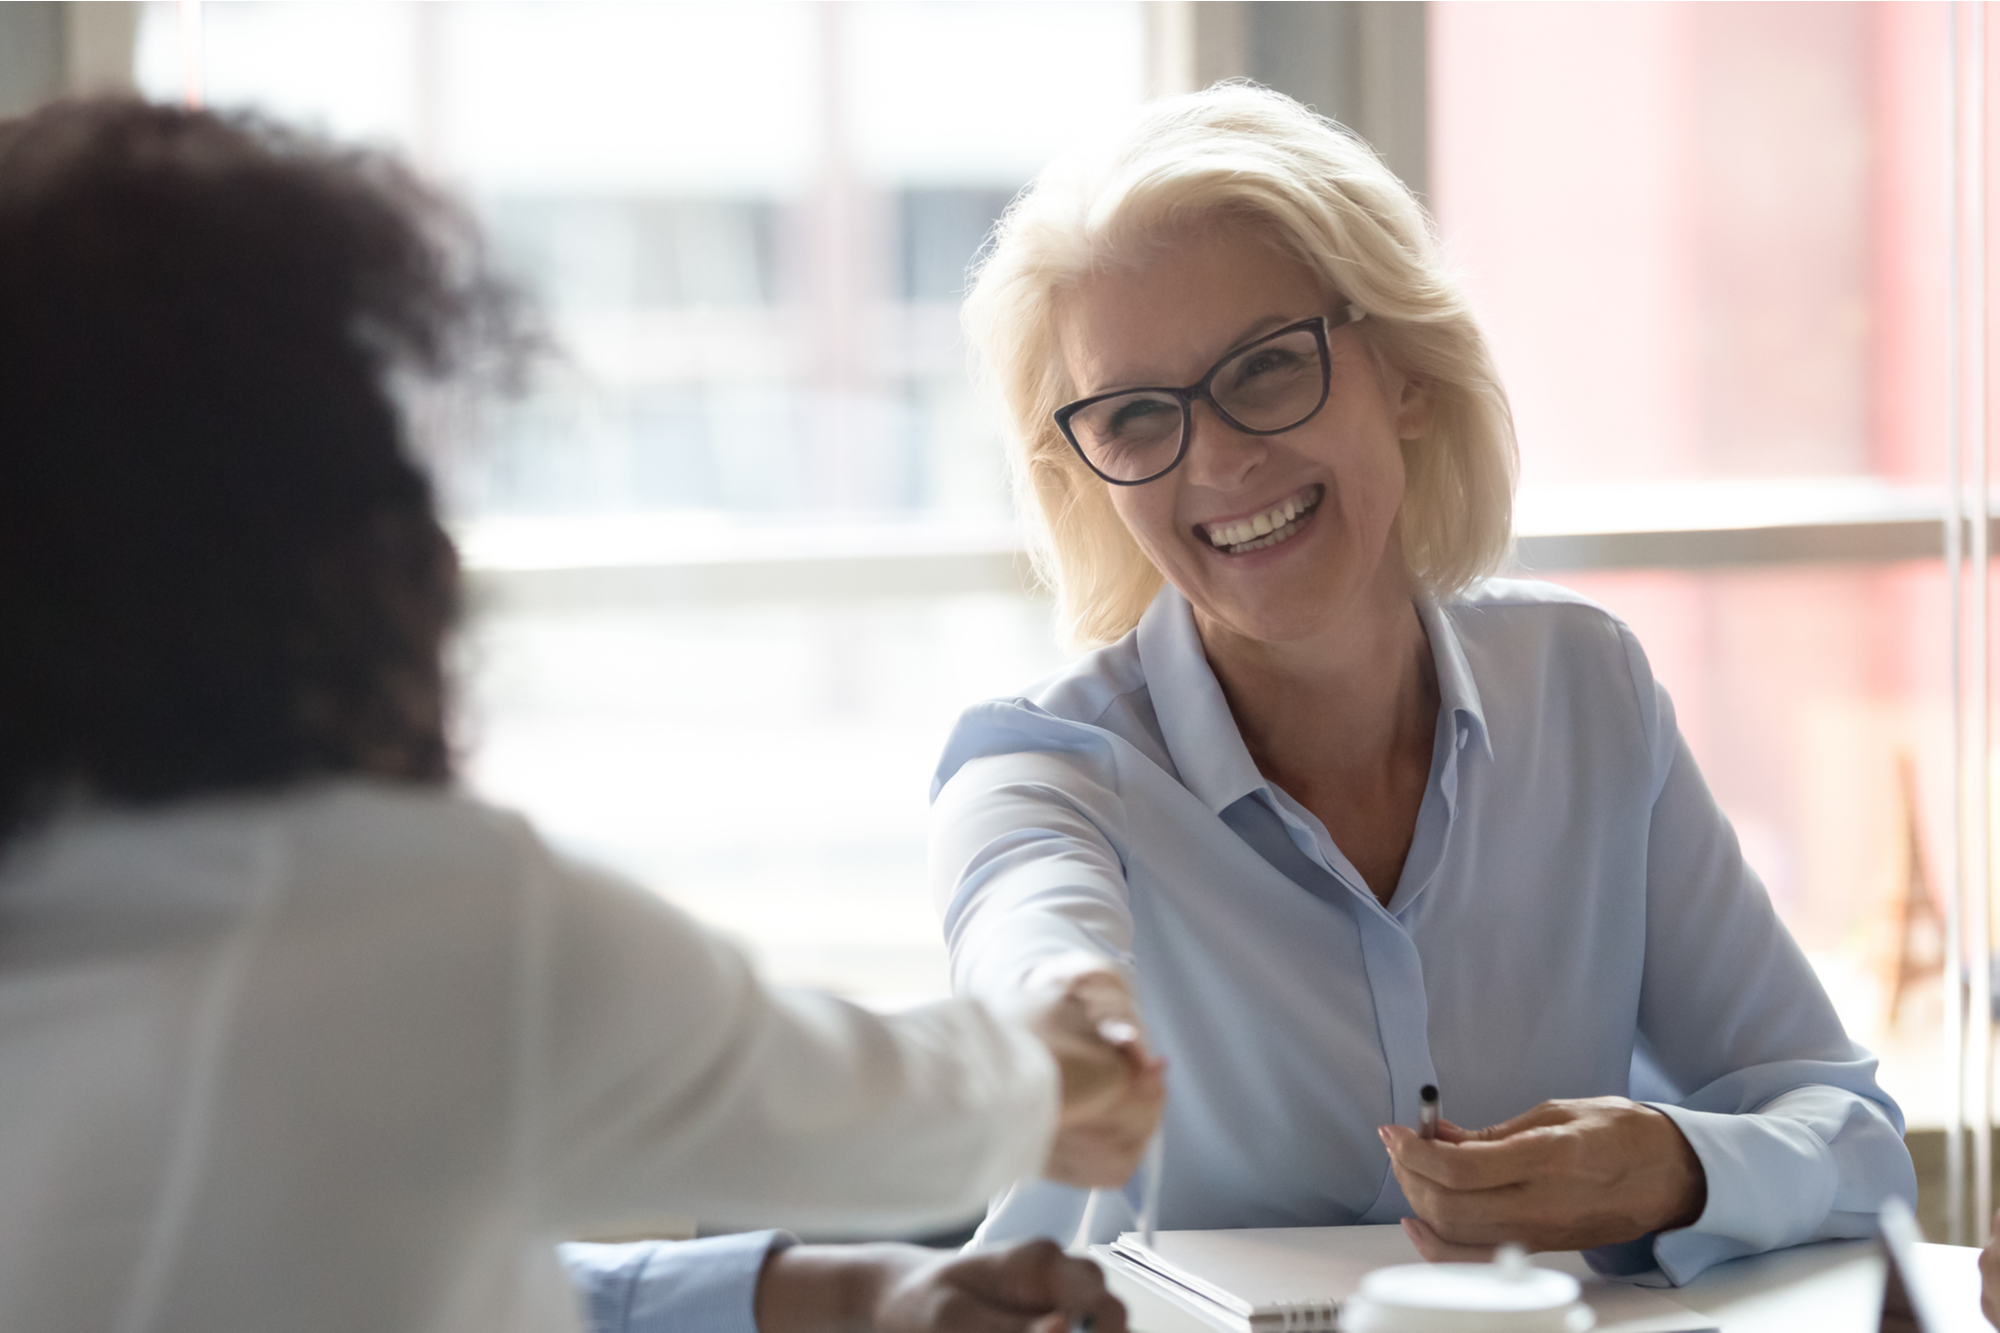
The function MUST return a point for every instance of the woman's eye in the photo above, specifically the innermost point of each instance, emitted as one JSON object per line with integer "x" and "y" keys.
{"x": 1140, "y": 414}
{"x": 1264, "y": 361}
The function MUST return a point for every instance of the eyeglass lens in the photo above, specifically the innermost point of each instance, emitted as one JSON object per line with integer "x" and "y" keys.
{"x": 1268, "y": 386}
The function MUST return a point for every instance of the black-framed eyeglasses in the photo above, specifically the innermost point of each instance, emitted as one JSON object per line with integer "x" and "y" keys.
{"x": 1268, "y": 386}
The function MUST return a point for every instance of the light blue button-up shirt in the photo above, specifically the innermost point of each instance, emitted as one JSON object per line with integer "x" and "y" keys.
{"x": 1574, "y": 919}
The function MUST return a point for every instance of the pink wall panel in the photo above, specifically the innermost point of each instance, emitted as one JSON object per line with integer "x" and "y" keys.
{"x": 1707, "y": 240}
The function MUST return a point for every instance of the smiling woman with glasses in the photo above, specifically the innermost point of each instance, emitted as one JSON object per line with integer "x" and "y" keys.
{"x": 1341, "y": 812}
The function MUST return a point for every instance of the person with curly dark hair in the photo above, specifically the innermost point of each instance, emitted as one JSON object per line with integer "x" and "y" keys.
{"x": 292, "y": 1035}
{"x": 219, "y": 566}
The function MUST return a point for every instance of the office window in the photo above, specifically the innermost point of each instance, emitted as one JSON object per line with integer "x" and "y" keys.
{"x": 744, "y": 549}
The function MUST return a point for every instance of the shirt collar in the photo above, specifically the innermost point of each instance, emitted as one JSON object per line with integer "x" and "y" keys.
{"x": 1458, "y": 692}
{"x": 1195, "y": 720}
{"x": 1198, "y": 728}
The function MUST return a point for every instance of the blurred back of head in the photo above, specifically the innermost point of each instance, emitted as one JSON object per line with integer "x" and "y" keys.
{"x": 220, "y": 568}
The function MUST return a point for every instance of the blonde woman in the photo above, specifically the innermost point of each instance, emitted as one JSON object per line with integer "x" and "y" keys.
{"x": 1351, "y": 816}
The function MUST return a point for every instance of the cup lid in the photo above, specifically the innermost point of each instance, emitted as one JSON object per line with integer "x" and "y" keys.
{"x": 1509, "y": 1286}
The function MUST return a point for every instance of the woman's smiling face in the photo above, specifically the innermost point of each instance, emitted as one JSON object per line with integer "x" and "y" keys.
{"x": 1274, "y": 537}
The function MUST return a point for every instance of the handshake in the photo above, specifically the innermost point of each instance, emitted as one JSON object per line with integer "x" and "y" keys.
{"x": 1113, "y": 1090}
{"x": 1113, "y": 1086}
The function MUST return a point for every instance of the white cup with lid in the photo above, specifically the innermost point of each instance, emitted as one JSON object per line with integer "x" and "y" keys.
{"x": 1508, "y": 1295}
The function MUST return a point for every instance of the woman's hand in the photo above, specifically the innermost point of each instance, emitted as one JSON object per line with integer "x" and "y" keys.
{"x": 1568, "y": 1175}
{"x": 1113, "y": 1087}
{"x": 1028, "y": 1288}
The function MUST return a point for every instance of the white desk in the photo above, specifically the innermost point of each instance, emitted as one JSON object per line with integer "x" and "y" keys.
{"x": 1831, "y": 1288}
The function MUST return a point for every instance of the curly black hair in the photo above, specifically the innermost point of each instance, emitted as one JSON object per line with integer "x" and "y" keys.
{"x": 220, "y": 567}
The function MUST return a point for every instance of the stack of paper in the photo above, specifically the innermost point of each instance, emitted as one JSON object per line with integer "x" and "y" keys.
{"x": 1293, "y": 1279}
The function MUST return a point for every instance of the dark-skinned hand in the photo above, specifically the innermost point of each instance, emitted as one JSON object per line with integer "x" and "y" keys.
{"x": 1028, "y": 1288}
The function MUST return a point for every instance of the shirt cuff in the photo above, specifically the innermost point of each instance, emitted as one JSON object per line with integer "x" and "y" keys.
{"x": 664, "y": 1286}
{"x": 1769, "y": 1180}
{"x": 1632, "y": 1261}
{"x": 1059, "y": 970}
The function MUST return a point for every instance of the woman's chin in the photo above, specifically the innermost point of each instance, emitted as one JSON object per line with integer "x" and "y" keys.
{"x": 1274, "y": 617}
{"x": 1278, "y": 604}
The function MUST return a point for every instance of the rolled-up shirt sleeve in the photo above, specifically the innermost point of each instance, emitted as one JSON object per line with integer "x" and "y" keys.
{"x": 1796, "y": 1138}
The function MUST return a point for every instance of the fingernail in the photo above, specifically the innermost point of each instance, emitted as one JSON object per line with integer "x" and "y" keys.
{"x": 1382, "y": 1133}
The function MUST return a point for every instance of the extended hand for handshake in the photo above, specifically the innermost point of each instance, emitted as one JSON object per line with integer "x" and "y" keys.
{"x": 1113, "y": 1087}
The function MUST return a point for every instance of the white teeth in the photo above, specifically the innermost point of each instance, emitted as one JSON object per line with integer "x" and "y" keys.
{"x": 1266, "y": 529}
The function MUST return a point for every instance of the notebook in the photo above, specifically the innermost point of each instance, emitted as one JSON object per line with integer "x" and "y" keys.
{"x": 1293, "y": 1279}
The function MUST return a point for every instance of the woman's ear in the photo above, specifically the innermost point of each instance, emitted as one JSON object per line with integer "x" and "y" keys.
{"x": 1413, "y": 410}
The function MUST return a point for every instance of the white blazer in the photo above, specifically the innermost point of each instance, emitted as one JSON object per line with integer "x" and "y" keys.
{"x": 352, "y": 1056}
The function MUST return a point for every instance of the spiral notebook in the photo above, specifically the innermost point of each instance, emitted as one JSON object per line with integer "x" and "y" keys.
{"x": 1293, "y": 1279}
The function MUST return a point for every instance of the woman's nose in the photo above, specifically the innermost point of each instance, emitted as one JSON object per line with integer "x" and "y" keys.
{"x": 1219, "y": 455}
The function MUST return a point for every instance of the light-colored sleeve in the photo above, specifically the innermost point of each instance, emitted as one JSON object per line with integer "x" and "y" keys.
{"x": 1797, "y": 1139}
{"x": 662, "y": 1078}
{"x": 1024, "y": 870}
{"x": 668, "y": 1286}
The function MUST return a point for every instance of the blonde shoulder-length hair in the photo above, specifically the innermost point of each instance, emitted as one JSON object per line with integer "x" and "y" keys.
{"x": 1236, "y": 154}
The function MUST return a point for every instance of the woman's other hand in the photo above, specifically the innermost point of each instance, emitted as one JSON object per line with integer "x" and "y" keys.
{"x": 1028, "y": 1288}
{"x": 1113, "y": 1086}
{"x": 1568, "y": 1175}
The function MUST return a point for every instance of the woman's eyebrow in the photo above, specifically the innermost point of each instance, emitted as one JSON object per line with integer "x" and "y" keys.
{"x": 1250, "y": 333}
{"x": 1269, "y": 324}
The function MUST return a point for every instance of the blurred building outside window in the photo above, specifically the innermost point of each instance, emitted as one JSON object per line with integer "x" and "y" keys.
{"x": 746, "y": 550}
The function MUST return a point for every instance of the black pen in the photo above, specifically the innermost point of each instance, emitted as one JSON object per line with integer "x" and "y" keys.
{"x": 1427, "y": 1111}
